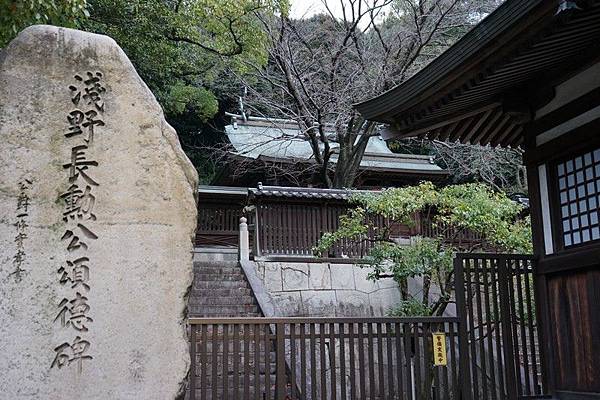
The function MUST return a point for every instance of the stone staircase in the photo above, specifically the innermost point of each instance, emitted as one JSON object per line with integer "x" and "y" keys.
{"x": 221, "y": 289}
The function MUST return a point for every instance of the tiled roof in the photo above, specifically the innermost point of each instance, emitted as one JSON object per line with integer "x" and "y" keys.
{"x": 283, "y": 141}
{"x": 304, "y": 193}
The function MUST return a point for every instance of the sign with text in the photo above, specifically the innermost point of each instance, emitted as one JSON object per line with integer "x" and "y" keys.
{"x": 439, "y": 349}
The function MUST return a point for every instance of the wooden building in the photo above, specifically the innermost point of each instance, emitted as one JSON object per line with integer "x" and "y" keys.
{"x": 529, "y": 75}
{"x": 276, "y": 152}
{"x": 287, "y": 222}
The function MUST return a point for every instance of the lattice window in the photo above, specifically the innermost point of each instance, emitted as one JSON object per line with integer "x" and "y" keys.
{"x": 579, "y": 190}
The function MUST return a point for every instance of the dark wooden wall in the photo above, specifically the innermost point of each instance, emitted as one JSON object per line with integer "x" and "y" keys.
{"x": 574, "y": 306}
{"x": 568, "y": 280}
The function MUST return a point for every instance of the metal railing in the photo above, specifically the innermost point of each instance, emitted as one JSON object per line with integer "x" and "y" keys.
{"x": 322, "y": 358}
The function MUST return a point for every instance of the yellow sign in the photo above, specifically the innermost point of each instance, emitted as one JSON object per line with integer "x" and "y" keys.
{"x": 439, "y": 349}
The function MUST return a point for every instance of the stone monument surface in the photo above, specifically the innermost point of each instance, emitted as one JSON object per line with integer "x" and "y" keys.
{"x": 97, "y": 214}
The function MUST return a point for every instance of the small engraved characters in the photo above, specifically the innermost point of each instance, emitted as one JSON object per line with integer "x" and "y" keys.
{"x": 22, "y": 213}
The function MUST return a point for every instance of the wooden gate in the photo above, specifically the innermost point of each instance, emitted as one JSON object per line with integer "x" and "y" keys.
{"x": 498, "y": 327}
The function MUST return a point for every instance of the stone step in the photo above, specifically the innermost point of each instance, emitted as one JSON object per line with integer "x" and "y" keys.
{"x": 217, "y": 270}
{"x": 216, "y": 264}
{"x": 241, "y": 291}
{"x": 202, "y": 277}
{"x": 231, "y": 292}
{"x": 220, "y": 285}
{"x": 207, "y": 313}
{"x": 223, "y": 300}
{"x": 232, "y": 309}
{"x": 220, "y": 289}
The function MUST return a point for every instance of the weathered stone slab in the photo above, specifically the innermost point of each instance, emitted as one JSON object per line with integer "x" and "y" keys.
{"x": 295, "y": 276}
{"x": 361, "y": 280}
{"x": 352, "y": 303}
{"x": 97, "y": 213}
{"x": 342, "y": 276}
{"x": 319, "y": 303}
{"x": 288, "y": 304}
{"x": 272, "y": 276}
{"x": 319, "y": 276}
{"x": 383, "y": 300}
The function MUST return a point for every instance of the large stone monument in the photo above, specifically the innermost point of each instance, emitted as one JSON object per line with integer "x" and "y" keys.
{"x": 97, "y": 214}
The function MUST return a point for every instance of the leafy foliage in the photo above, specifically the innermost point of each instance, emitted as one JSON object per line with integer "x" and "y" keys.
{"x": 467, "y": 207}
{"x": 409, "y": 308}
{"x": 15, "y": 15}
{"x": 184, "y": 50}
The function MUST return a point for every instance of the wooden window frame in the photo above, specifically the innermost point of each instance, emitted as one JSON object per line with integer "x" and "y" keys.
{"x": 568, "y": 146}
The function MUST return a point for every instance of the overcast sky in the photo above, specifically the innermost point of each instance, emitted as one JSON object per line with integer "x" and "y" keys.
{"x": 307, "y": 8}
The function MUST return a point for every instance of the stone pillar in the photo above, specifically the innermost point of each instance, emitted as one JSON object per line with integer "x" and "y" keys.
{"x": 97, "y": 215}
{"x": 244, "y": 245}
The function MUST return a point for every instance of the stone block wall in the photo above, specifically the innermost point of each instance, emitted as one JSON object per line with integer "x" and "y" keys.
{"x": 325, "y": 289}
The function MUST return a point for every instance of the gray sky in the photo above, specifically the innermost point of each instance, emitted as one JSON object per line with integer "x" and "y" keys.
{"x": 306, "y": 8}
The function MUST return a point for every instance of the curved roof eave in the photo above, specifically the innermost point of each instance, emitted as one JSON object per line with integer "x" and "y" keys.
{"x": 435, "y": 76}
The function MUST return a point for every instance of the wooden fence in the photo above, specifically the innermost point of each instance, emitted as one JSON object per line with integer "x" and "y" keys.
{"x": 322, "y": 358}
{"x": 294, "y": 229}
{"x": 218, "y": 224}
{"x": 492, "y": 346}
{"x": 461, "y": 238}
{"x": 497, "y": 305}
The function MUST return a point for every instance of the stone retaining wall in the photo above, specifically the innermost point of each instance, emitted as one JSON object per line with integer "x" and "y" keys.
{"x": 325, "y": 289}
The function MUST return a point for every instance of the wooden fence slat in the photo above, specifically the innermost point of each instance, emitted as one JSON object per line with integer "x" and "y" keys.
{"x": 234, "y": 342}
{"x": 247, "y": 364}
{"x": 225, "y": 363}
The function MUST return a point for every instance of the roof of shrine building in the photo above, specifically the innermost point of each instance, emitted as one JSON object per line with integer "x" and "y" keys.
{"x": 304, "y": 193}
{"x": 497, "y": 78}
{"x": 279, "y": 140}
{"x": 264, "y": 191}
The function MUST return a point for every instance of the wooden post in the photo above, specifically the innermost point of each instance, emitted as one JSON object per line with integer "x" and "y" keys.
{"x": 280, "y": 381}
{"x": 504, "y": 279}
{"x": 463, "y": 344}
{"x": 257, "y": 230}
{"x": 193, "y": 364}
{"x": 244, "y": 245}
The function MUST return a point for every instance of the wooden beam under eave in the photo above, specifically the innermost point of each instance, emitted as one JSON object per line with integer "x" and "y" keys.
{"x": 496, "y": 130}
{"x": 517, "y": 136}
{"x": 425, "y": 127}
{"x": 482, "y": 118}
{"x": 463, "y": 128}
{"x": 486, "y": 127}
{"x": 445, "y": 132}
{"x": 507, "y": 132}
